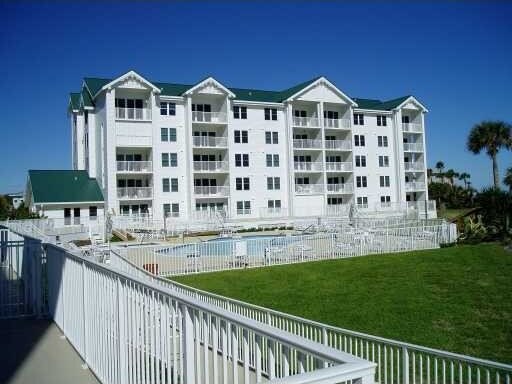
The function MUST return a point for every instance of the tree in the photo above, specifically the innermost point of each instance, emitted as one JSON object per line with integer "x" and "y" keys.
{"x": 440, "y": 167}
{"x": 496, "y": 209}
{"x": 491, "y": 136}
{"x": 508, "y": 179}
{"x": 5, "y": 207}
{"x": 464, "y": 177}
{"x": 451, "y": 174}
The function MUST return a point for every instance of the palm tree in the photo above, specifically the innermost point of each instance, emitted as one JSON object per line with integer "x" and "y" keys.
{"x": 491, "y": 136}
{"x": 450, "y": 174}
{"x": 464, "y": 177}
{"x": 440, "y": 167}
{"x": 508, "y": 178}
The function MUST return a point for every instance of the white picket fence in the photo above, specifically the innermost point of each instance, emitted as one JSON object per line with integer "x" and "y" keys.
{"x": 233, "y": 253}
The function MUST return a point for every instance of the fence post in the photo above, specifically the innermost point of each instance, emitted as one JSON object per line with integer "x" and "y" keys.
{"x": 405, "y": 365}
{"x": 187, "y": 326}
{"x": 123, "y": 366}
{"x": 84, "y": 311}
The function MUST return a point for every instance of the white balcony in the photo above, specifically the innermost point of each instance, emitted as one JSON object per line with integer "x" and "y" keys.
{"x": 134, "y": 193}
{"x": 415, "y": 186}
{"x": 413, "y": 147}
{"x": 412, "y": 127}
{"x": 211, "y": 166}
{"x": 273, "y": 212}
{"x": 209, "y": 141}
{"x": 338, "y": 144}
{"x": 415, "y": 166}
{"x": 337, "y": 123}
{"x": 241, "y": 212}
{"x": 306, "y": 122}
{"x": 420, "y": 205}
{"x": 137, "y": 114}
{"x": 340, "y": 188}
{"x": 309, "y": 188}
{"x": 332, "y": 166}
{"x": 211, "y": 191}
{"x": 135, "y": 166}
{"x": 307, "y": 144}
{"x": 308, "y": 166}
{"x": 209, "y": 117}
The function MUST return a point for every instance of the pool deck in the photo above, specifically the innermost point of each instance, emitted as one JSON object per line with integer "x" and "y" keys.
{"x": 35, "y": 351}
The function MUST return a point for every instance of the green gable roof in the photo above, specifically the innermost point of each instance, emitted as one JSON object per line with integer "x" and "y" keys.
{"x": 86, "y": 99}
{"x": 63, "y": 186}
{"x": 95, "y": 84}
{"x": 74, "y": 101}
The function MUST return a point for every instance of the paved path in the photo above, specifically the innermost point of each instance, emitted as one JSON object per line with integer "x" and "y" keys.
{"x": 33, "y": 351}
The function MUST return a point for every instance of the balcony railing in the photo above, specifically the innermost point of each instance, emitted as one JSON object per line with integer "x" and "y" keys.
{"x": 307, "y": 143}
{"x": 413, "y": 147}
{"x": 209, "y": 141}
{"x": 209, "y": 117}
{"x": 133, "y": 113}
{"x": 243, "y": 211}
{"x": 340, "y": 188}
{"x": 412, "y": 127}
{"x": 416, "y": 166}
{"x": 337, "y": 123}
{"x": 307, "y": 122}
{"x": 414, "y": 186}
{"x": 220, "y": 190}
{"x": 308, "y": 166}
{"x": 134, "y": 193}
{"x": 210, "y": 166}
{"x": 420, "y": 205}
{"x": 135, "y": 166}
{"x": 309, "y": 188}
{"x": 338, "y": 166}
{"x": 273, "y": 212}
{"x": 338, "y": 144}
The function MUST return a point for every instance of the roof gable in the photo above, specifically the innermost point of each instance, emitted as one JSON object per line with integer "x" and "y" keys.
{"x": 209, "y": 85}
{"x": 74, "y": 102}
{"x": 63, "y": 186}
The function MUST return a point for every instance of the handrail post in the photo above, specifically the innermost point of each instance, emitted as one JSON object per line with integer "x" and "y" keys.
{"x": 121, "y": 315}
{"x": 187, "y": 327}
{"x": 85, "y": 313}
{"x": 405, "y": 365}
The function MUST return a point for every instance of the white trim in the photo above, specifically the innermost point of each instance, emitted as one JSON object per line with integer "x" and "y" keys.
{"x": 125, "y": 76}
{"x": 415, "y": 101}
{"x": 258, "y": 103}
{"x": 69, "y": 202}
{"x": 375, "y": 111}
{"x": 171, "y": 98}
{"x": 210, "y": 79}
{"x": 319, "y": 81}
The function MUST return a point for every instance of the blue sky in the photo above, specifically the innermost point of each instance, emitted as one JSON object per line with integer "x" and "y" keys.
{"x": 455, "y": 57}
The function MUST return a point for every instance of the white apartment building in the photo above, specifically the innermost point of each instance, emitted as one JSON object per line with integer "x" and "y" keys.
{"x": 189, "y": 150}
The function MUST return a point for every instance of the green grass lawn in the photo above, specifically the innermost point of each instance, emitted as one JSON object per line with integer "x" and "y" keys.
{"x": 458, "y": 299}
{"x": 449, "y": 214}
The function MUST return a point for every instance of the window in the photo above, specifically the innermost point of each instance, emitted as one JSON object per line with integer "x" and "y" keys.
{"x": 167, "y": 209}
{"x": 334, "y": 201}
{"x": 242, "y": 183}
{"x": 241, "y": 137}
{"x": 273, "y": 183}
{"x": 385, "y": 199}
{"x": 174, "y": 185}
{"x": 93, "y": 213}
{"x": 381, "y": 121}
{"x": 384, "y": 181}
{"x": 299, "y": 113}
{"x": 359, "y": 140}
{"x": 271, "y": 137}
{"x": 274, "y": 204}
{"x": 172, "y": 210}
{"x": 405, "y": 119}
{"x": 241, "y": 160}
{"x": 360, "y": 161}
{"x": 358, "y": 119}
{"x": 272, "y": 160}
{"x": 275, "y": 138}
{"x": 239, "y": 112}
{"x": 174, "y": 159}
{"x": 361, "y": 182}
{"x": 270, "y": 114}
{"x": 131, "y": 109}
{"x": 167, "y": 109}
{"x": 362, "y": 201}
{"x": 165, "y": 159}
{"x": 383, "y": 161}
{"x": 166, "y": 186}
{"x": 382, "y": 141}
{"x": 168, "y": 134}
{"x": 243, "y": 207}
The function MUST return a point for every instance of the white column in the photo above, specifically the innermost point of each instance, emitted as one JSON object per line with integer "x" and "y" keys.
{"x": 189, "y": 186}
{"x": 110, "y": 152}
{"x": 320, "y": 109}
{"x": 289, "y": 157}
{"x": 424, "y": 154}
{"x": 399, "y": 156}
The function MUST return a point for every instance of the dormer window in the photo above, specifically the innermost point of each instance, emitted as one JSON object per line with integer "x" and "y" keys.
{"x": 131, "y": 109}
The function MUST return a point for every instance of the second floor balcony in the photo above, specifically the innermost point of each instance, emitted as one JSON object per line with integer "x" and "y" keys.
{"x": 337, "y": 123}
{"x": 414, "y": 166}
{"x": 211, "y": 166}
{"x": 414, "y": 186}
{"x": 308, "y": 166}
{"x": 309, "y": 188}
{"x": 306, "y": 122}
{"x": 332, "y": 166}
{"x": 340, "y": 188}
{"x": 211, "y": 191}
{"x": 338, "y": 144}
{"x": 209, "y": 141}
{"x": 134, "y": 193}
{"x": 209, "y": 117}
{"x": 136, "y": 114}
{"x": 412, "y": 127}
{"x": 413, "y": 147}
{"x": 307, "y": 144}
{"x": 134, "y": 166}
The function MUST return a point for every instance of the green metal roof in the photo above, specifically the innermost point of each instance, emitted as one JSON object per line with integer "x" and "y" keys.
{"x": 86, "y": 99}
{"x": 74, "y": 100}
{"x": 172, "y": 89}
{"x": 63, "y": 186}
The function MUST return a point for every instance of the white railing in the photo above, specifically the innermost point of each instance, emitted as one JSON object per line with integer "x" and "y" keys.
{"x": 273, "y": 212}
{"x": 135, "y": 193}
{"x": 311, "y": 122}
{"x": 133, "y": 114}
{"x": 307, "y": 143}
{"x": 210, "y": 166}
{"x": 135, "y": 166}
{"x": 243, "y": 211}
{"x": 337, "y": 123}
{"x": 413, "y": 147}
{"x": 338, "y": 144}
{"x": 414, "y": 166}
{"x": 209, "y": 141}
{"x": 340, "y": 188}
{"x": 414, "y": 186}
{"x": 412, "y": 127}
{"x": 209, "y": 117}
{"x": 211, "y": 190}
{"x": 308, "y": 166}
{"x": 309, "y": 188}
{"x": 129, "y": 328}
{"x": 339, "y": 166}
{"x": 420, "y": 205}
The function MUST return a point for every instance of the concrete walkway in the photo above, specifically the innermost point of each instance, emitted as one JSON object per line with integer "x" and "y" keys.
{"x": 34, "y": 351}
